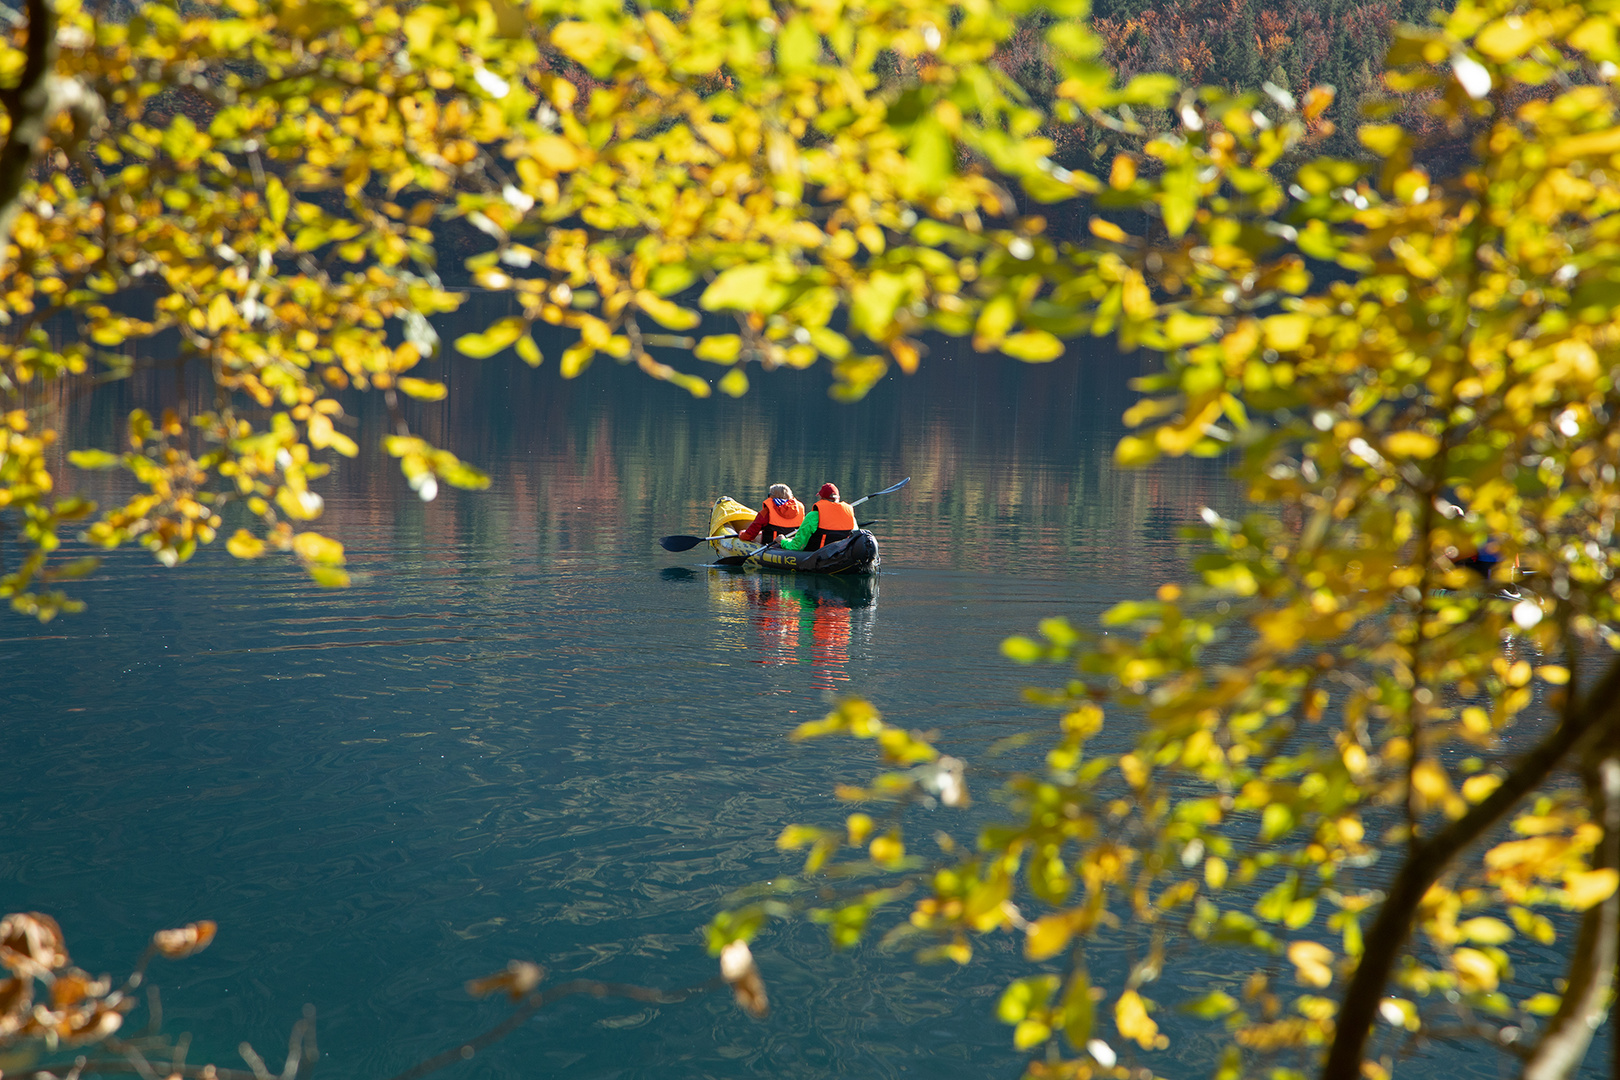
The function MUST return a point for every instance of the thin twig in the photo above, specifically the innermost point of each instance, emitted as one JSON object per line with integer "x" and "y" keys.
{"x": 539, "y": 1000}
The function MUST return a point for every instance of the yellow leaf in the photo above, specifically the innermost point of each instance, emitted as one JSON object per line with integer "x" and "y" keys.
{"x": 582, "y": 41}
{"x": 244, "y": 545}
{"x": 1507, "y": 38}
{"x": 887, "y": 849}
{"x": 741, "y": 287}
{"x": 328, "y": 577}
{"x": 1107, "y": 230}
{"x": 1123, "y": 172}
{"x": 1313, "y": 962}
{"x": 1048, "y": 936}
{"x": 1033, "y": 346}
{"x": 1431, "y": 782}
{"x": 1486, "y": 931}
{"x": 1130, "y": 1016}
{"x": 1588, "y": 888}
{"x": 1542, "y": 1004}
{"x": 423, "y": 389}
{"x": 1030, "y": 1033}
{"x": 1133, "y": 451}
{"x": 1286, "y": 333}
{"x": 1411, "y": 444}
{"x": 315, "y": 548}
{"x": 1317, "y": 99}
{"x": 1476, "y": 970}
{"x": 665, "y": 312}
{"x": 555, "y": 153}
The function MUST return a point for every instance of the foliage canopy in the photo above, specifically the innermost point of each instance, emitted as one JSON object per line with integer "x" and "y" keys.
{"x": 1339, "y": 684}
{"x": 1349, "y": 698}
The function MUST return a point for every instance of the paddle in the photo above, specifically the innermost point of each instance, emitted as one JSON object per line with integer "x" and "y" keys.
{"x": 885, "y": 491}
{"x": 687, "y": 543}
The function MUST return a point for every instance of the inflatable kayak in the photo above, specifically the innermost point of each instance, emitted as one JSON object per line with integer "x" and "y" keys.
{"x": 857, "y": 554}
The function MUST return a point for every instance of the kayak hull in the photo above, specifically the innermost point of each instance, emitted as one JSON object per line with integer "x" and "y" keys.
{"x": 853, "y": 555}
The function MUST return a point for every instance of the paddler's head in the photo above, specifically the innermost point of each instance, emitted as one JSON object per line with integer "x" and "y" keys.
{"x": 829, "y": 491}
{"x": 781, "y": 493}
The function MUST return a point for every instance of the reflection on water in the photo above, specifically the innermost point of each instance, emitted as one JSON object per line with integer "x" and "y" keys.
{"x": 793, "y": 619}
{"x": 528, "y": 732}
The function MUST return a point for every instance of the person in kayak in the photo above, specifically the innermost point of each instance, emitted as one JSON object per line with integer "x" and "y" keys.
{"x": 831, "y": 519}
{"x": 780, "y": 515}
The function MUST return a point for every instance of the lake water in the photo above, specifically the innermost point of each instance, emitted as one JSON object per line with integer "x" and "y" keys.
{"x": 527, "y": 732}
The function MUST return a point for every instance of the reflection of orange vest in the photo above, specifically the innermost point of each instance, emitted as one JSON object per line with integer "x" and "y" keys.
{"x": 785, "y": 515}
{"x": 835, "y": 516}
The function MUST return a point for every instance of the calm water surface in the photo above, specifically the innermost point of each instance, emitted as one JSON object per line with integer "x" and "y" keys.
{"x": 527, "y": 732}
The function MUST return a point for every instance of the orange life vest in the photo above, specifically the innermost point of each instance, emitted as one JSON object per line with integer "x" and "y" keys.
{"x": 785, "y": 515}
{"x": 835, "y": 516}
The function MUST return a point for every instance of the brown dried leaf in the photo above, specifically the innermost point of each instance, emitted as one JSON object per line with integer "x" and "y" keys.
{"x": 73, "y": 986}
{"x": 737, "y": 967}
{"x": 190, "y": 938}
{"x": 93, "y": 1025}
{"x": 518, "y": 979}
{"x": 31, "y": 944}
{"x": 16, "y": 1000}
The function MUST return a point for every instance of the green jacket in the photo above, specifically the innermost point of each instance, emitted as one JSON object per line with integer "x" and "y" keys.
{"x": 801, "y": 536}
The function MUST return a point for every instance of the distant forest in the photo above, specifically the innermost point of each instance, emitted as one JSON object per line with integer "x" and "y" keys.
{"x": 1242, "y": 45}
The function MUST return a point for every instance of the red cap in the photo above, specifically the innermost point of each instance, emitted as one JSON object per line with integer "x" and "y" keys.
{"x": 829, "y": 491}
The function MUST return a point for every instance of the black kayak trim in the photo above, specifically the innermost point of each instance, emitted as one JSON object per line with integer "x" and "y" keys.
{"x": 856, "y": 554}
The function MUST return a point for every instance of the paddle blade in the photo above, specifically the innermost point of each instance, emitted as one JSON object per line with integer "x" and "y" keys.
{"x": 885, "y": 491}
{"x": 679, "y": 543}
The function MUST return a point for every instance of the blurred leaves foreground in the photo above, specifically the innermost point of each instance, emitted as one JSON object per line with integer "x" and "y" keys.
{"x": 1406, "y": 644}
{"x": 75, "y": 1026}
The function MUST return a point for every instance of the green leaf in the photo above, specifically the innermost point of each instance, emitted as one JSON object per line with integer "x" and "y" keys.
{"x": 1022, "y": 650}
{"x": 1079, "y": 1011}
{"x": 1212, "y": 1006}
{"x": 276, "y": 197}
{"x": 329, "y": 577}
{"x": 94, "y": 459}
{"x": 671, "y": 278}
{"x": 932, "y": 156}
{"x": 1033, "y": 346}
{"x": 719, "y": 349}
{"x": 741, "y": 288}
{"x": 500, "y": 335}
{"x": 423, "y": 389}
{"x": 78, "y": 568}
{"x": 1153, "y": 89}
{"x": 874, "y": 303}
{"x": 798, "y": 47}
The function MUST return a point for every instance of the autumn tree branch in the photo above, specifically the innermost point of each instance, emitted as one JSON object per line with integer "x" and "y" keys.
{"x": 1563, "y": 1045}
{"x": 1598, "y": 710}
{"x": 28, "y": 105}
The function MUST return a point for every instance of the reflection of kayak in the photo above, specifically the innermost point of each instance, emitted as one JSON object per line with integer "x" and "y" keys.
{"x": 857, "y": 554}
{"x": 819, "y": 590}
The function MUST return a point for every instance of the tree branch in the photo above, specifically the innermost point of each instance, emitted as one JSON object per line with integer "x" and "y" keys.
{"x": 538, "y": 1000}
{"x": 1600, "y": 709}
{"x": 1563, "y": 1045}
{"x": 29, "y": 106}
